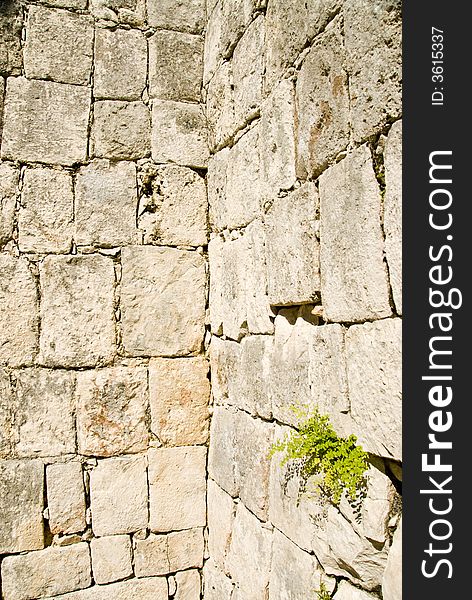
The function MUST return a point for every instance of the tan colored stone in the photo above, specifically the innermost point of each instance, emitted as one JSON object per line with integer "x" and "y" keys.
{"x": 49, "y": 572}
{"x": 66, "y": 497}
{"x": 111, "y": 558}
{"x": 59, "y": 46}
{"x": 121, "y": 130}
{"x": 188, "y": 585}
{"x": 221, "y": 511}
{"x": 105, "y": 204}
{"x": 77, "y": 326}
{"x": 151, "y": 556}
{"x": 251, "y": 381}
{"x": 185, "y": 549}
{"x": 45, "y": 219}
{"x": 177, "y": 488}
{"x": 45, "y": 122}
{"x": 216, "y": 584}
{"x": 225, "y": 357}
{"x": 392, "y": 578}
{"x": 9, "y": 177}
{"x": 11, "y": 23}
{"x": 154, "y": 588}
{"x": 7, "y": 414}
{"x": 346, "y": 591}
{"x": 21, "y": 506}
{"x": 120, "y": 64}
{"x": 220, "y": 107}
{"x": 18, "y": 317}
{"x": 163, "y": 301}
{"x": 180, "y": 15}
{"x": 80, "y": 4}
{"x": 111, "y": 411}
{"x": 179, "y": 394}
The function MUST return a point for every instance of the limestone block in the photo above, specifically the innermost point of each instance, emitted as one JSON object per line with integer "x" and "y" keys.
{"x": 7, "y": 414}
{"x": 213, "y": 33}
{"x": 111, "y": 411}
{"x": 222, "y": 453}
{"x": 346, "y": 591}
{"x": 11, "y": 23}
{"x": 151, "y": 557}
{"x": 59, "y": 46}
{"x": 183, "y": 15}
{"x": 392, "y": 578}
{"x": 77, "y": 316}
{"x": 21, "y": 506}
{"x": 120, "y": 64}
{"x": 121, "y": 130}
{"x": 118, "y": 495}
{"x": 393, "y": 211}
{"x": 216, "y": 184}
{"x": 105, "y": 204}
{"x": 111, "y": 558}
{"x": 249, "y": 556}
{"x": 225, "y": 357}
{"x": 177, "y": 488}
{"x": 220, "y": 106}
{"x": 49, "y": 572}
{"x": 291, "y": 229}
{"x": 322, "y": 104}
{"x": 185, "y": 549}
{"x": 154, "y": 588}
{"x": 9, "y": 177}
{"x": 252, "y": 377}
{"x": 188, "y": 585}
{"x": 18, "y": 317}
{"x": 354, "y": 284}
{"x": 80, "y": 4}
{"x": 176, "y": 211}
{"x": 216, "y": 584}
{"x": 179, "y": 134}
{"x": 175, "y": 66}
{"x": 221, "y": 511}
{"x": 66, "y": 497}
{"x": 179, "y": 394}
{"x": 2, "y": 97}
{"x": 373, "y": 38}
{"x": 45, "y": 219}
{"x": 374, "y": 367}
{"x": 45, "y": 122}
{"x": 163, "y": 301}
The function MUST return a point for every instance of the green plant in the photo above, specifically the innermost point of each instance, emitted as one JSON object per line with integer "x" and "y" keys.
{"x": 323, "y": 593}
{"x": 337, "y": 462}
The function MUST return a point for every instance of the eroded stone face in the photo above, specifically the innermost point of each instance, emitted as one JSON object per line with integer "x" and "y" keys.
{"x": 216, "y": 584}
{"x": 346, "y": 591}
{"x": 220, "y": 107}
{"x": 392, "y": 578}
{"x": 183, "y": 15}
{"x": 66, "y": 497}
{"x": 188, "y": 585}
{"x": 154, "y": 588}
{"x": 9, "y": 176}
{"x": 151, "y": 557}
{"x": 111, "y": 558}
{"x": 185, "y": 549}
{"x": 221, "y": 510}
{"x": 11, "y": 23}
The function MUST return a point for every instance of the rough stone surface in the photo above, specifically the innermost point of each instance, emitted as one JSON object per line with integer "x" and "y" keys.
{"x": 151, "y": 557}
{"x": 21, "y": 506}
{"x": 220, "y": 107}
{"x": 66, "y": 497}
{"x": 177, "y": 487}
{"x": 221, "y": 510}
{"x": 118, "y": 494}
{"x": 11, "y": 23}
{"x": 179, "y": 394}
{"x": 188, "y": 585}
{"x": 346, "y": 591}
{"x": 183, "y": 15}
{"x": 105, "y": 204}
{"x": 133, "y": 589}
{"x": 18, "y": 317}
{"x": 185, "y": 549}
{"x": 111, "y": 411}
{"x": 49, "y": 572}
{"x": 216, "y": 584}
{"x": 7, "y": 413}
{"x": 354, "y": 284}
{"x": 121, "y": 130}
{"x": 59, "y": 46}
{"x": 77, "y": 327}
{"x": 120, "y": 64}
{"x": 163, "y": 301}
{"x": 225, "y": 357}
{"x": 392, "y": 578}
{"x": 9, "y": 176}
{"x": 111, "y": 558}
{"x": 250, "y": 381}
{"x": 45, "y": 219}
{"x": 45, "y": 122}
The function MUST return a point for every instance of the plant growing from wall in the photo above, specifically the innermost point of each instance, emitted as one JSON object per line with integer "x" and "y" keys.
{"x": 322, "y": 593}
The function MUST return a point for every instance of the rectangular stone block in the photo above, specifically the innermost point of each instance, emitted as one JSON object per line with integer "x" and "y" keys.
{"x": 9, "y": 178}
{"x": 7, "y": 412}
{"x": 80, "y": 4}
{"x": 177, "y": 488}
{"x": 220, "y": 107}
{"x": 163, "y": 301}
{"x": 105, "y": 204}
{"x": 354, "y": 284}
{"x": 151, "y": 556}
{"x": 45, "y": 219}
{"x": 188, "y": 585}
{"x": 21, "y": 506}
{"x": 183, "y": 15}
{"x": 154, "y": 588}
{"x": 119, "y": 496}
{"x": 216, "y": 584}
{"x": 111, "y": 411}
{"x": 77, "y": 312}
{"x": 185, "y": 549}
{"x": 19, "y": 314}
{"x": 59, "y": 46}
{"x": 66, "y": 497}
{"x": 250, "y": 391}
{"x": 120, "y": 64}
{"x": 111, "y": 558}
{"x": 221, "y": 511}
{"x": 11, "y": 23}
{"x": 179, "y": 391}
{"x": 45, "y": 122}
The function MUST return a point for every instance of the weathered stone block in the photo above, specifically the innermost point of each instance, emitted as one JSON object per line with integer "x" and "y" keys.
{"x": 111, "y": 411}
{"x": 80, "y": 4}
{"x": 49, "y": 572}
{"x": 392, "y": 578}
{"x": 105, "y": 204}
{"x": 7, "y": 414}
{"x": 216, "y": 584}
{"x": 250, "y": 392}
{"x": 179, "y": 133}
{"x": 163, "y": 301}
{"x": 221, "y": 510}
{"x": 225, "y": 357}
{"x": 183, "y": 15}
{"x": 18, "y": 317}
{"x": 185, "y": 549}
{"x": 77, "y": 315}
{"x": 177, "y": 488}
{"x": 179, "y": 394}
{"x": 118, "y": 495}
{"x": 21, "y": 506}
{"x": 66, "y": 497}
{"x": 291, "y": 229}
{"x": 151, "y": 557}
{"x": 111, "y": 558}
{"x": 220, "y": 107}
{"x": 45, "y": 122}
{"x": 120, "y": 64}
{"x": 176, "y": 211}
{"x": 45, "y": 219}
{"x": 59, "y": 46}
{"x": 216, "y": 185}
{"x": 354, "y": 284}
{"x": 175, "y": 66}
{"x": 9, "y": 177}
{"x": 374, "y": 370}
{"x": 188, "y": 585}
{"x": 346, "y": 591}
{"x": 154, "y": 588}
{"x": 121, "y": 130}
{"x": 11, "y": 23}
